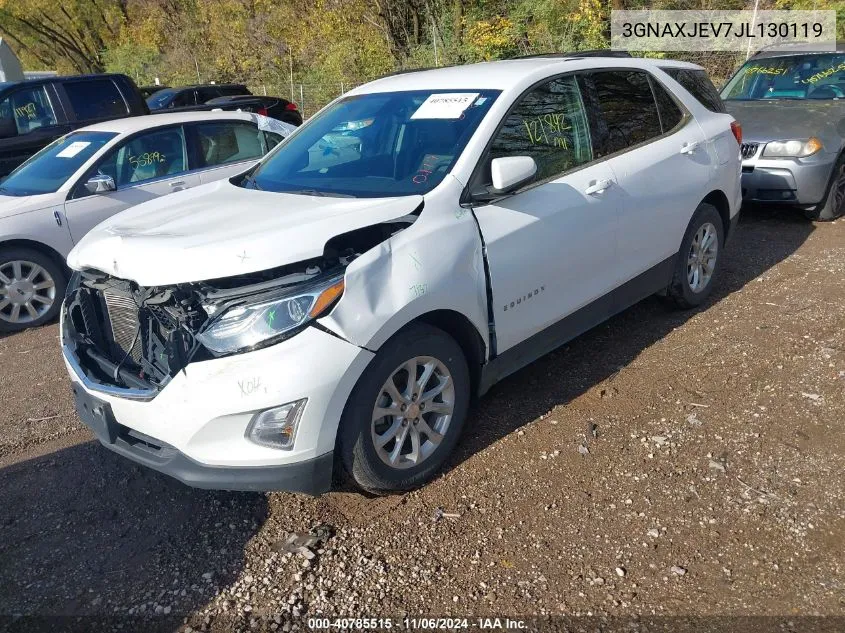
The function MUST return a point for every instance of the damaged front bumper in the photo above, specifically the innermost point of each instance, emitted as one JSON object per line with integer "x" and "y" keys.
{"x": 194, "y": 428}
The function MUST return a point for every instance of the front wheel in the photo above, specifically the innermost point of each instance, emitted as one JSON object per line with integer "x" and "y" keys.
{"x": 834, "y": 204}
{"x": 698, "y": 259}
{"x": 32, "y": 286}
{"x": 406, "y": 413}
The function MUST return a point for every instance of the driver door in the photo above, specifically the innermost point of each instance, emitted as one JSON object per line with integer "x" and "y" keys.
{"x": 551, "y": 245}
{"x": 144, "y": 167}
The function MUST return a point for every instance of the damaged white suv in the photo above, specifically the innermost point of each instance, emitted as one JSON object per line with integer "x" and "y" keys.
{"x": 338, "y": 306}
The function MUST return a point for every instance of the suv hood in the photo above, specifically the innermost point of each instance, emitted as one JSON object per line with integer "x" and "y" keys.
{"x": 791, "y": 119}
{"x": 220, "y": 230}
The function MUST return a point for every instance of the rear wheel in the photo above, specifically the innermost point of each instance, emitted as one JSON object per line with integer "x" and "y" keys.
{"x": 406, "y": 413}
{"x": 834, "y": 205}
{"x": 698, "y": 259}
{"x": 31, "y": 289}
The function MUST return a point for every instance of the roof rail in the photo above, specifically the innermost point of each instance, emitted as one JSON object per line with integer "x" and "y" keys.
{"x": 606, "y": 52}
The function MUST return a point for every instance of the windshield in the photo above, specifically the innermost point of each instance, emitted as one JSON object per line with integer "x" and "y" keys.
{"x": 160, "y": 99}
{"x": 377, "y": 145}
{"x": 818, "y": 76}
{"x": 52, "y": 166}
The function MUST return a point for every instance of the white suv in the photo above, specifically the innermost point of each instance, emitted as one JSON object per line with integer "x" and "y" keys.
{"x": 422, "y": 237}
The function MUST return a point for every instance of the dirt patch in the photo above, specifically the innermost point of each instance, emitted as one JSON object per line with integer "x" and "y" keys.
{"x": 666, "y": 463}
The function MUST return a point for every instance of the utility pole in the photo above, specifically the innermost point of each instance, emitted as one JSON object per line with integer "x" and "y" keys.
{"x": 753, "y": 22}
{"x": 290, "y": 57}
{"x": 434, "y": 39}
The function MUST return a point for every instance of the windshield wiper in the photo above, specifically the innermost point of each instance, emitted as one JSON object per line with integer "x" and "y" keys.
{"x": 320, "y": 194}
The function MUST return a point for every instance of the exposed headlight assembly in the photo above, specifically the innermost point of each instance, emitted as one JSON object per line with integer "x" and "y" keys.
{"x": 267, "y": 319}
{"x": 792, "y": 149}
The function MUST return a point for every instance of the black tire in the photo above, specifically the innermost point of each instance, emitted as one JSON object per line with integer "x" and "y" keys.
{"x": 357, "y": 448}
{"x": 51, "y": 268}
{"x": 834, "y": 203}
{"x": 680, "y": 291}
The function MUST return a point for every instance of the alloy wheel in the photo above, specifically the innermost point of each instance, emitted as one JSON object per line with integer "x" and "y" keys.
{"x": 701, "y": 261}
{"x": 412, "y": 412}
{"x": 27, "y": 292}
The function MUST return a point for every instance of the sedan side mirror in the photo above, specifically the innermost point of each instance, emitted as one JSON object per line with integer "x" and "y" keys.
{"x": 509, "y": 172}
{"x": 101, "y": 183}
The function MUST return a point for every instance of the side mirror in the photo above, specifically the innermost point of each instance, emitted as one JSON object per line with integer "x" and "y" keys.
{"x": 101, "y": 183}
{"x": 8, "y": 128}
{"x": 510, "y": 172}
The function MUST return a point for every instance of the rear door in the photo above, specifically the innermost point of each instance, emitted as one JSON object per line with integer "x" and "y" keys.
{"x": 551, "y": 246}
{"x": 144, "y": 167}
{"x": 225, "y": 148}
{"x": 32, "y": 118}
{"x": 659, "y": 158}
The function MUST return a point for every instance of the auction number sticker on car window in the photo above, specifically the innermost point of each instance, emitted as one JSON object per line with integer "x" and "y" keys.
{"x": 73, "y": 149}
{"x": 447, "y": 105}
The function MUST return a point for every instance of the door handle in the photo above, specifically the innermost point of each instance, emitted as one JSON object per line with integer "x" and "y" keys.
{"x": 178, "y": 183}
{"x": 597, "y": 186}
{"x": 689, "y": 148}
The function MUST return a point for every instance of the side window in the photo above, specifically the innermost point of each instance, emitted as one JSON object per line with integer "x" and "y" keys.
{"x": 95, "y": 99}
{"x": 698, "y": 84}
{"x": 151, "y": 155}
{"x": 670, "y": 114}
{"x": 184, "y": 98}
{"x": 624, "y": 113}
{"x": 549, "y": 125}
{"x": 228, "y": 142}
{"x": 272, "y": 139}
{"x": 30, "y": 109}
{"x": 228, "y": 91}
{"x": 206, "y": 94}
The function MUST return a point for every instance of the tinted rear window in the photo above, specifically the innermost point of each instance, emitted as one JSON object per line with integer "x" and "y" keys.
{"x": 626, "y": 111}
{"x": 670, "y": 113}
{"x": 95, "y": 99}
{"x": 698, "y": 84}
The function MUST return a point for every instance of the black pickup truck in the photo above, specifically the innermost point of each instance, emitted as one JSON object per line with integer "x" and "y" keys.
{"x": 36, "y": 112}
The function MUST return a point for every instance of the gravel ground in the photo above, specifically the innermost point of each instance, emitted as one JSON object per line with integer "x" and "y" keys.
{"x": 666, "y": 463}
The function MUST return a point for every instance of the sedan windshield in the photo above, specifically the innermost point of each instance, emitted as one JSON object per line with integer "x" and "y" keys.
{"x": 52, "y": 166}
{"x": 377, "y": 145}
{"x": 817, "y": 76}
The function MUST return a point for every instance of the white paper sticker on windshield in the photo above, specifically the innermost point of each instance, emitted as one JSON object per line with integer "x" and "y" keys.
{"x": 448, "y": 105}
{"x": 73, "y": 149}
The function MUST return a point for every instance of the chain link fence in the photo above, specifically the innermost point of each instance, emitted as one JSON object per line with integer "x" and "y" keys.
{"x": 310, "y": 97}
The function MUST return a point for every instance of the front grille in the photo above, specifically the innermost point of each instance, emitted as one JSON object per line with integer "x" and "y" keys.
{"x": 749, "y": 150}
{"x": 123, "y": 318}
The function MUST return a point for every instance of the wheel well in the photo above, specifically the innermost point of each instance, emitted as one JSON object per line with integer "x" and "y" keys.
{"x": 465, "y": 334}
{"x": 36, "y": 246}
{"x": 719, "y": 200}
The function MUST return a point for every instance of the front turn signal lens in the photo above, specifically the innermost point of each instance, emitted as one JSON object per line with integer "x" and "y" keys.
{"x": 326, "y": 298}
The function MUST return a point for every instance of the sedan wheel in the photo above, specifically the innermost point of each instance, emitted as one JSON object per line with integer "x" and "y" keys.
{"x": 27, "y": 292}
{"x": 413, "y": 411}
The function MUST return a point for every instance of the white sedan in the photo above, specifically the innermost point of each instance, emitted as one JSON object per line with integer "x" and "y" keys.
{"x": 53, "y": 199}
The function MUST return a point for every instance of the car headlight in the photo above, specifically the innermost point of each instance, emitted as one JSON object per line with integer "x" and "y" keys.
{"x": 792, "y": 149}
{"x": 266, "y": 320}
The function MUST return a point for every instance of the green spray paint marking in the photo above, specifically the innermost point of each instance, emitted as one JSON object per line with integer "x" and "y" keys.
{"x": 271, "y": 316}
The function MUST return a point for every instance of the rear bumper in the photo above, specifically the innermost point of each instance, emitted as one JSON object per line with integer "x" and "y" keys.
{"x": 310, "y": 476}
{"x": 795, "y": 181}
